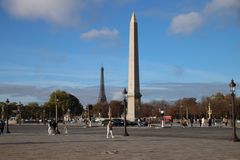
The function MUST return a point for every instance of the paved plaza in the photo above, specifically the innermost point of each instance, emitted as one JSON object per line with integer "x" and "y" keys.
{"x": 30, "y": 142}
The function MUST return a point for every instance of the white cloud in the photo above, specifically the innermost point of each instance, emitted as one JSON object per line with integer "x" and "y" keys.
{"x": 190, "y": 22}
{"x": 88, "y": 95}
{"x": 117, "y": 95}
{"x": 186, "y": 23}
{"x": 221, "y": 5}
{"x": 103, "y": 33}
{"x": 65, "y": 12}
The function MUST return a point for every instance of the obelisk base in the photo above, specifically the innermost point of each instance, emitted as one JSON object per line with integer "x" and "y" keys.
{"x": 131, "y": 108}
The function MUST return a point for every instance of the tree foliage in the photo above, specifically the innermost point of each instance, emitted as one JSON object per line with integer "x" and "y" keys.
{"x": 102, "y": 109}
{"x": 63, "y": 101}
{"x": 221, "y": 106}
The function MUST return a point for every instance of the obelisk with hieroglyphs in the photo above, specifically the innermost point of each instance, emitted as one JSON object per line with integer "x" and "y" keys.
{"x": 134, "y": 95}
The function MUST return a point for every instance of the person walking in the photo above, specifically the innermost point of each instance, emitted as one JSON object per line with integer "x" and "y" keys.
{"x": 184, "y": 123}
{"x": 110, "y": 129}
{"x": 209, "y": 122}
{"x": 54, "y": 126}
{"x": 139, "y": 122}
{"x": 225, "y": 121}
{"x": 191, "y": 121}
{"x": 200, "y": 122}
{"x": 203, "y": 122}
{"x": 149, "y": 122}
{"x": 2, "y": 125}
{"x": 65, "y": 128}
{"x": 50, "y": 128}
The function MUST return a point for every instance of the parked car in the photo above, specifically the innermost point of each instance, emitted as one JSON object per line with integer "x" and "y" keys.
{"x": 115, "y": 122}
{"x": 120, "y": 122}
{"x": 143, "y": 123}
{"x": 132, "y": 123}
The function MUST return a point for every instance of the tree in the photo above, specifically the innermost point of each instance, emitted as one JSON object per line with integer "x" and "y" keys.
{"x": 146, "y": 110}
{"x": 65, "y": 101}
{"x": 117, "y": 108}
{"x": 31, "y": 111}
{"x": 218, "y": 96}
{"x": 102, "y": 108}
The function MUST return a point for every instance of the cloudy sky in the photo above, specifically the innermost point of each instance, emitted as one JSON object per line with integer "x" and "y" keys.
{"x": 187, "y": 48}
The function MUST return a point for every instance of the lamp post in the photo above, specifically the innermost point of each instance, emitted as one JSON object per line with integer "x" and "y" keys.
{"x": 2, "y": 114}
{"x": 69, "y": 114}
{"x": 209, "y": 111}
{"x": 125, "y": 113}
{"x": 232, "y": 86}
{"x": 109, "y": 112}
{"x": 90, "y": 107}
{"x": 7, "y": 103}
{"x": 162, "y": 117}
{"x": 44, "y": 116}
{"x": 181, "y": 115}
{"x": 56, "y": 114}
{"x": 19, "y": 113}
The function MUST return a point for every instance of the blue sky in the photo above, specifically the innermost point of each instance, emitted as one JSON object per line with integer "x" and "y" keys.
{"x": 61, "y": 44}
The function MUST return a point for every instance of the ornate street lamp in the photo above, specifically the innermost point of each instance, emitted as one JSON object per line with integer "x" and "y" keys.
{"x": 162, "y": 117}
{"x": 232, "y": 86}
{"x": 56, "y": 114}
{"x": 7, "y": 104}
{"x": 90, "y": 107}
{"x": 19, "y": 112}
{"x": 44, "y": 116}
{"x": 124, "y": 93}
{"x": 69, "y": 114}
{"x": 2, "y": 114}
{"x": 109, "y": 112}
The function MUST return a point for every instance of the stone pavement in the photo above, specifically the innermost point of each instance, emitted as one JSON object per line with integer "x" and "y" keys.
{"x": 30, "y": 142}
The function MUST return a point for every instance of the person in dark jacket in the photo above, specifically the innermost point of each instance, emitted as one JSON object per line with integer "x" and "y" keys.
{"x": 2, "y": 125}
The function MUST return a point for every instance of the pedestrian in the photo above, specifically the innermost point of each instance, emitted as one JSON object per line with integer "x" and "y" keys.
{"x": 149, "y": 122}
{"x": 110, "y": 129}
{"x": 209, "y": 122}
{"x": 2, "y": 125}
{"x": 50, "y": 128}
{"x": 191, "y": 121}
{"x": 139, "y": 122}
{"x": 203, "y": 122}
{"x": 225, "y": 121}
{"x": 214, "y": 122}
{"x": 54, "y": 126}
{"x": 85, "y": 122}
{"x": 65, "y": 128}
{"x": 184, "y": 122}
{"x": 200, "y": 122}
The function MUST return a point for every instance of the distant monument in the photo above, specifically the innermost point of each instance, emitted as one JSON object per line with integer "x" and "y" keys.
{"x": 134, "y": 95}
{"x": 102, "y": 96}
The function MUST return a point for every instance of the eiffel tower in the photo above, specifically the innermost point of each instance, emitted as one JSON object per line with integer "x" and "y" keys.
{"x": 102, "y": 96}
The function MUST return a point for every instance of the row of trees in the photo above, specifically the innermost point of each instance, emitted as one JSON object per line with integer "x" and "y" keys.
{"x": 34, "y": 111}
{"x": 220, "y": 106}
{"x": 186, "y": 107}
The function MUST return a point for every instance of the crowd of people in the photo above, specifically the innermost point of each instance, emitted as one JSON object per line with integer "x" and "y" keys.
{"x": 204, "y": 122}
{"x": 200, "y": 122}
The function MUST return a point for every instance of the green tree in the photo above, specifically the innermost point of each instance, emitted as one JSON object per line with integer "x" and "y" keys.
{"x": 31, "y": 111}
{"x": 65, "y": 101}
{"x": 218, "y": 96}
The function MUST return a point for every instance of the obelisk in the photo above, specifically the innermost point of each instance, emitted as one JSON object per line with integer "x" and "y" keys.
{"x": 102, "y": 96}
{"x": 134, "y": 95}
